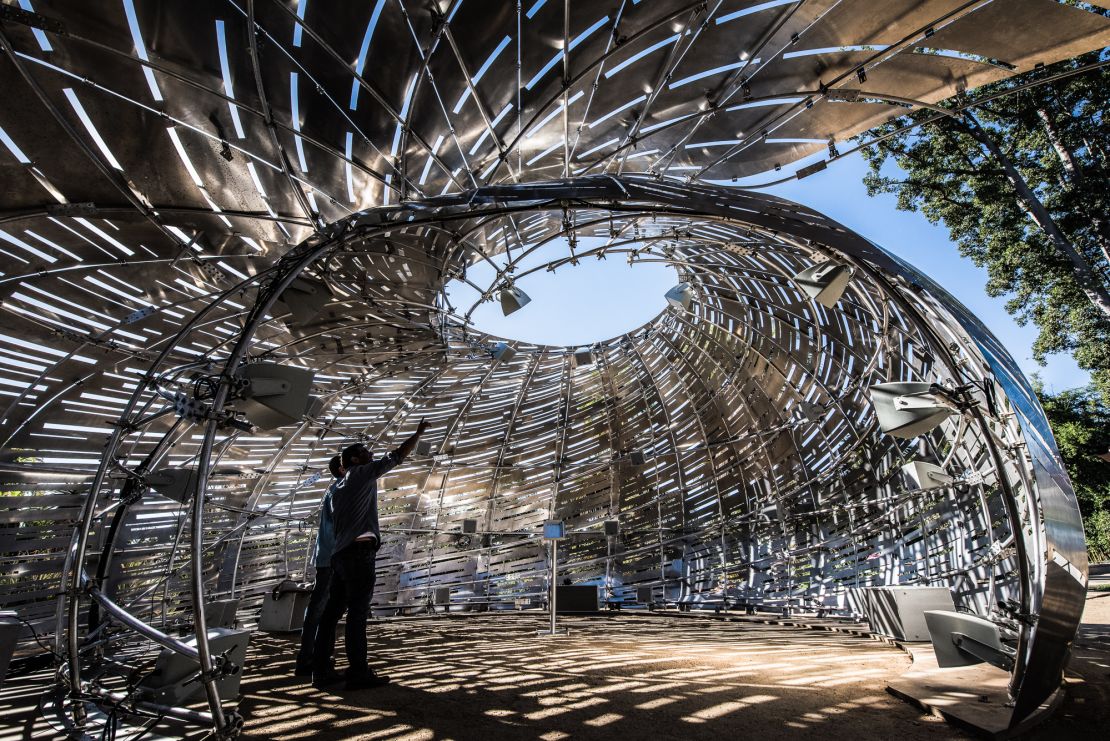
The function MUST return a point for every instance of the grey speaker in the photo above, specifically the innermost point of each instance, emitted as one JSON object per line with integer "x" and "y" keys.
{"x": 636, "y": 458}
{"x": 177, "y": 484}
{"x": 273, "y": 395}
{"x": 441, "y": 596}
{"x": 304, "y": 299}
{"x": 172, "y": 680}
{"x": 470, "y": 526}
{"x": 612, "y": 527}
{"x": 644, "y": 595}
{"x": 907, "y": 410}
{"x": 583, "y": 357}
{"x": 681, "y": 296}
{"x": 221, "y": 613}
{"x": 283, "y": 613}
{"x": 513, "y": 299}
{"x": 10, "y": 628}
{"x": 824, "y": 282}
{"x": 502, "y": 353}
{"x": 899, "y": 611}
{"x": 960, "y": 639}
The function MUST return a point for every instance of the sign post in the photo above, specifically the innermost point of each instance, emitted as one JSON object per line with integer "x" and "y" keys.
{"x": 553, "y": 532}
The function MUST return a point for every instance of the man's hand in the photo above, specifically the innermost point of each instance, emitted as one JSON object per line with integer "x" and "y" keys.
{"x": 408, "y": 445}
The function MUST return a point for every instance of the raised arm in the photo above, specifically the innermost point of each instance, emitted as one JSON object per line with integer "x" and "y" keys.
{"x": 406, "y": 447}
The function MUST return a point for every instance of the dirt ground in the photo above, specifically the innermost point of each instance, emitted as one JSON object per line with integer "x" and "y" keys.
{"x": 1085, "y": 713}
{"x": 622, "y": 676}
{"x": 612, "y": 677}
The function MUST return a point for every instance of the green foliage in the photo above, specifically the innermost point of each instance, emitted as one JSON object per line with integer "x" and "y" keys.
{"x": 1056, "y": 135}
{"x": 1080, "y": 421}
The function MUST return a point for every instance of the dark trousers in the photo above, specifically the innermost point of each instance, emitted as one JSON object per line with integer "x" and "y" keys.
{"x": 312, "y": 615}
{"x": 352, "y": 586}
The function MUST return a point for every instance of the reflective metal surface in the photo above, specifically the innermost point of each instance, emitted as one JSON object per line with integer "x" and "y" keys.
{"x": 167, "y": 173}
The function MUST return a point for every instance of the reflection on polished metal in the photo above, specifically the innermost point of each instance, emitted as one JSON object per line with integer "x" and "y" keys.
{"x": 193, "y": 190}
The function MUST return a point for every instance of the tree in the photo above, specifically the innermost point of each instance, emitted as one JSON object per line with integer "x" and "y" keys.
{"x": 1023, "y": 185}
{"x": 1080, "y": 421}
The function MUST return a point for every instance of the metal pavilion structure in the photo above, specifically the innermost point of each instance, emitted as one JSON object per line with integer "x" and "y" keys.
{"x": 194, "y": 189}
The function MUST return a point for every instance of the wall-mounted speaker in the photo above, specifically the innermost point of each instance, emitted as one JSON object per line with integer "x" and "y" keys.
{"x": 273, "y": 395}
{"x": 824, "y": 282}
{"x": 907, "y": 410}
{"x": 681, "y": 296}
{"x": 513, "y": 299}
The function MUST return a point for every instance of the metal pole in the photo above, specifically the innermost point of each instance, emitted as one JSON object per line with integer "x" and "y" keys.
{"x": 137, "y": 625}
{"x": 554, "y": 577}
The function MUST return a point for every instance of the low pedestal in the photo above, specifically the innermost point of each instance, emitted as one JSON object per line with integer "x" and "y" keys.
{"x": 974, "y": 698}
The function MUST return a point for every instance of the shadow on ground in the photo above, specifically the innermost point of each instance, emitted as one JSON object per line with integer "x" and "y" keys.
{"x": 491, "y": 677}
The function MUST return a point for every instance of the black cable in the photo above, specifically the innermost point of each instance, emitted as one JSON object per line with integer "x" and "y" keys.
{"x": 38, "y": 640}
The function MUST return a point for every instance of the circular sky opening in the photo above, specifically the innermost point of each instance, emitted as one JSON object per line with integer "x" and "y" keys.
{"x": 573, "y": 304}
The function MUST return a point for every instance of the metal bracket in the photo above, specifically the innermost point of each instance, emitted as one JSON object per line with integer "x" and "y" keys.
{"x": 1004, "y": 659}
{"x": 86, "y": 208}
{"x": 28, "y": 18}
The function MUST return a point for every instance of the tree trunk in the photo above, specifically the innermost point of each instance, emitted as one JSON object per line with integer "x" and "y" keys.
{"x": 1074, "y": 173}
{"x": 1084, "y": 275}
{"x": 1071, "y": 167}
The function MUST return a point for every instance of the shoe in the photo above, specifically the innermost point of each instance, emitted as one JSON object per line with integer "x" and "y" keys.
{"x": 302, "y": 671}
{"x": 322, "y": 678}
{"x": 367, "y": 680}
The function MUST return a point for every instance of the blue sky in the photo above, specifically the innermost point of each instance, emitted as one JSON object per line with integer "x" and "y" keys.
{"x": 597, "y": 300}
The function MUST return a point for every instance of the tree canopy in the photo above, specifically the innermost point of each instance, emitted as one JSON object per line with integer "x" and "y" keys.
{"x": 1034, "y": 212}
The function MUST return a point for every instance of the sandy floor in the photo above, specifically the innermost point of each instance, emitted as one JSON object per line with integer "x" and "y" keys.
{"x": 624, "y": 677}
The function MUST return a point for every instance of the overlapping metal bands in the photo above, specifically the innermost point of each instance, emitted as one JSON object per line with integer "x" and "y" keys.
{"x": 167, "y": 172}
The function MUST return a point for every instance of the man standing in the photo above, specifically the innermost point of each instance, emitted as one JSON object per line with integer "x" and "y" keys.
{"x": 325, "y": 546}
{"x": 357, "y": 538}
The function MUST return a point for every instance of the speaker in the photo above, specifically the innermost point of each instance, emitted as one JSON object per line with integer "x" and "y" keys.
{"x": 284, "y": 612}
{"x": 636, "y": 458}
{"x": 177, "y": 484}
{"x": 681, "y": 296}
{"x": 554, "y": 530}
{"x": 304, "y": 299}
{"x": 644, "y": 595}
{"x": 441, "y": 596}
{"x": 907, "y": 410}
{"x": 612, "y": 527}
{"x": 899, "y": 612}
{"x": 960, "y": 639}
{"x": 824, "y": 282}
{"x": 583, "y": 357}
{"x": 273, "y": 395}
{"x": 513, "y": 299}
{"x": 221, "y": 613}
{"x": 172, "y": 680}
{"x": 10, "y": 628}
{"x": 502, "y": 353}
{"x": 470, "y": 526}
{"x": 575, "y": 599}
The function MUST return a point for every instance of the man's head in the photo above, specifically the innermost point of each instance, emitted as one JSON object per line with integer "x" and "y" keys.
{"x": 335, "y": 465}
{"x": 356, "y": 455}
